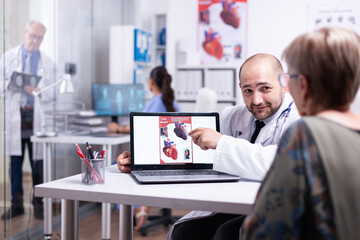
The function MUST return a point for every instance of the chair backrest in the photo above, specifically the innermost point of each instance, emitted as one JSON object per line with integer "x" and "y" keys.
{"x": 206, "y": 100}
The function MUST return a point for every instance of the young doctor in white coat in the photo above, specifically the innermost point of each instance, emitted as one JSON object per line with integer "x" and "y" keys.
{"x": 16, "y": 101}
{"x": 264, "y": 100}
{"x": 238, "y": 150}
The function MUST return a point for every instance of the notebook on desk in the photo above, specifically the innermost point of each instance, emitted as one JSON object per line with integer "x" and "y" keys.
{"x": 163, "y": 152}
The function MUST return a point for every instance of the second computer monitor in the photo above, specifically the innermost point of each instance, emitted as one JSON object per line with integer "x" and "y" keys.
{"x": 117, "y": 99}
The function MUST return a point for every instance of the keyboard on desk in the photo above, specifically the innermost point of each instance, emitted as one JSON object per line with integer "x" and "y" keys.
{"x": 181, "y": 175}
{"x": 178, "y": 172}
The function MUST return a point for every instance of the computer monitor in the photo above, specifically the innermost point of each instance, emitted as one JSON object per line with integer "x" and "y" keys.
{"x": 117, "y": 99}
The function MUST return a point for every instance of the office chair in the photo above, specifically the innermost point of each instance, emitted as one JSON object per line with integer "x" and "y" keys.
{"x": 164, "y": 219}
{"x": 206, "y": 100}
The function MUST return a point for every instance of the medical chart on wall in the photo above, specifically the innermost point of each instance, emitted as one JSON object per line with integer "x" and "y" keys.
{"x": 222, "y": 31}
{"x": 337, "y": 15}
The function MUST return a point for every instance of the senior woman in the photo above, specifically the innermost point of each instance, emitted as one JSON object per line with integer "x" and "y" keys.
{"x": 312, "y": 188}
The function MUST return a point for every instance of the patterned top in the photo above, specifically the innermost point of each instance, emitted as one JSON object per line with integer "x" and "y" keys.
{"x": 294, "y": 201}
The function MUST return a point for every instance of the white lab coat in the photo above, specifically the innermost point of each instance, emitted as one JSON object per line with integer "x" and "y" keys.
{"x": 11, "y": 61}
{"x": 235, "y": 154}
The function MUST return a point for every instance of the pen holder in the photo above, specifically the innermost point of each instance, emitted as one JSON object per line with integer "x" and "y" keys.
{"x": 92, "y": 171}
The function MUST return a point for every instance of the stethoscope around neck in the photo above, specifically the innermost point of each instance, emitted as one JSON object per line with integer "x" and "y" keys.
{"x": 284, "y": 114}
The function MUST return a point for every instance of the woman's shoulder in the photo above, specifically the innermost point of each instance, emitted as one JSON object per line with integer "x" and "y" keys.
{"x": 155, "y": 104}
{"x": 176, "y": 106}
{"x": 298, "y": 131}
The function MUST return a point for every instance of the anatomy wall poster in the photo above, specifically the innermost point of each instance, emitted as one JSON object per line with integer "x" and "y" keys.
{"x": 337, "y": 15}
{"x": 175, "y": 142}
{"x": 222, "y": 31}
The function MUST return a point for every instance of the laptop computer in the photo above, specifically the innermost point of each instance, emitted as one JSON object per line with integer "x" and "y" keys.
{"x": 163, "y": 152}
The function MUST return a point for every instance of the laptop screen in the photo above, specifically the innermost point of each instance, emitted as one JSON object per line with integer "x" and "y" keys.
{"x": 161, "y": 140}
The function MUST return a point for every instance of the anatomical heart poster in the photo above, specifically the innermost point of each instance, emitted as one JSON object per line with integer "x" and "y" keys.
{"x": 175, "y": 142}
{"x": 222, "y": 31}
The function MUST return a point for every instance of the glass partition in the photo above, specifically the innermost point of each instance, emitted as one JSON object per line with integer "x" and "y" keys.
{"x": 28, "y": 64}
{"x": 33, "y": 66}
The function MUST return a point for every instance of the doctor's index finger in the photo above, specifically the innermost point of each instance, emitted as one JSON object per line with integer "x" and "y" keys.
{"x": 196, "y": 130}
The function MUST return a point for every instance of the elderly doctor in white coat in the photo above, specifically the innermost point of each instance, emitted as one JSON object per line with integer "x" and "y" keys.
{"x": 241, "y": 149}
{"x": 16, "y": 102}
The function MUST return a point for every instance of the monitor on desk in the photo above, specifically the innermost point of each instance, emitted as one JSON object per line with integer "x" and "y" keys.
{"x": 117, "y": 99}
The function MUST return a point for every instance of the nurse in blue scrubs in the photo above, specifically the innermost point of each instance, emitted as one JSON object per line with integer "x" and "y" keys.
{"x": 163, "y": 100}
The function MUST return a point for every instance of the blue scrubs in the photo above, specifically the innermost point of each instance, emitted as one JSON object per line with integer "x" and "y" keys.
{"x": 156, "y": 105}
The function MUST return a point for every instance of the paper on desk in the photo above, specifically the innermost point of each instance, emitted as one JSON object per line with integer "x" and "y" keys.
{"x": 87, "y": 113}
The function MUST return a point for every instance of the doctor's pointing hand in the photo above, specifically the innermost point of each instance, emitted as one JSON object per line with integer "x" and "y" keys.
{"x": 205, "y": 138}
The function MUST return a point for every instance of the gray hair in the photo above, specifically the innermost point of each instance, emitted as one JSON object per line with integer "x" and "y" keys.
{"x": 329, "y": 58}
{"x": 31, "y": 22}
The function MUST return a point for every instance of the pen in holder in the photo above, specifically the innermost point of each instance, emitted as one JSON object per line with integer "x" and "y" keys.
{"x": 92, "y": 171}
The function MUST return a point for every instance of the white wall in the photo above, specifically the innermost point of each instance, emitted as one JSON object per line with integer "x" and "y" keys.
{"x": 102, "y": 22}
{"x": 272, "y": 24}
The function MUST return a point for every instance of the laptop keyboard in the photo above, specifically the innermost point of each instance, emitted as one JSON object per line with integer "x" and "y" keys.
{"x": 178, "y": 172}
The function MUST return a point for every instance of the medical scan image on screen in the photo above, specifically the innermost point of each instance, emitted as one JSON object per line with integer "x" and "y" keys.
{"x": 166, "y": 140}
{"x": 117, "y": 99}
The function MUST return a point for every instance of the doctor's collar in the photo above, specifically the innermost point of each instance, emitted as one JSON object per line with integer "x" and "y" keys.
{"x": 266, "y": 121}
{"x": 269, "y": 119}
{"x": 24, "y": 52}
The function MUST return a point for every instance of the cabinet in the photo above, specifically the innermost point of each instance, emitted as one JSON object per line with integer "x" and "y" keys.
{"x": 159, "y": 27}
{"x": 130, "y": 54}
{"x": 189, "y": 79}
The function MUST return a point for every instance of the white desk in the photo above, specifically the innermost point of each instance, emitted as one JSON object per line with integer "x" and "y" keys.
{"x": 107, "y": 143}
{"x": 229, "y": 197}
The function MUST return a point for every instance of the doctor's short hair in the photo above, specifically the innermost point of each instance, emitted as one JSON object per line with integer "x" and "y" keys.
{"x": 260, "y": 58}
{"x": 329, "y": 58}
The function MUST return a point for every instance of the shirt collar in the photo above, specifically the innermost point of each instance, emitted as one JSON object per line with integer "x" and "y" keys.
{"x": 24, "y": 53}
